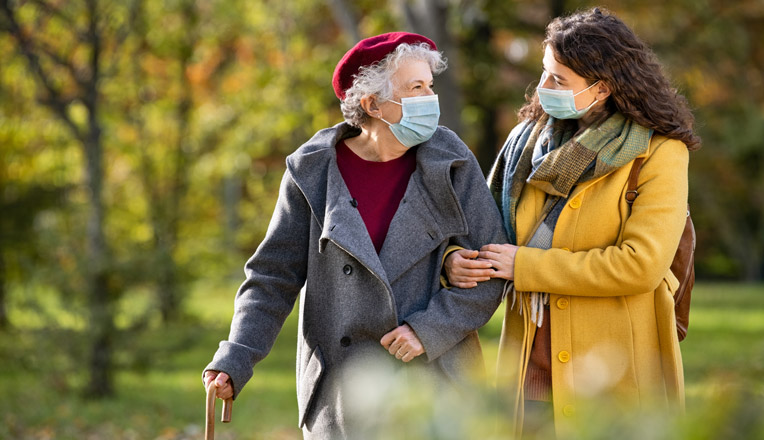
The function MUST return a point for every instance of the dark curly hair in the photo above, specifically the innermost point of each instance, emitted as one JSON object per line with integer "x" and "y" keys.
{"x": 599, "y": 46}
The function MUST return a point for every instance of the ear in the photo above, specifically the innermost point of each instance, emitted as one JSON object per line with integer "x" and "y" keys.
{"x": 371, "y": 106}
{"x": 603, "y": 90}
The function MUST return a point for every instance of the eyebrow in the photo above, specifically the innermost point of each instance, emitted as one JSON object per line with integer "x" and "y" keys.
{"x": 558, "y": 77}
{"x": 419, "y": 81}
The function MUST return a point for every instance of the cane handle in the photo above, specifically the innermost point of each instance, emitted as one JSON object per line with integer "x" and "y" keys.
{"x": 209, "y": 432}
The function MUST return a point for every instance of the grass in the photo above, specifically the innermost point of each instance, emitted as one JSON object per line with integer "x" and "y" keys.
{"x": 160, "y": 395}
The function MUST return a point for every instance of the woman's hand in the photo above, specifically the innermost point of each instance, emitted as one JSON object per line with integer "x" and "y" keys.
{"x": 403, "y": 343}
{"x": 502, "y": 259}
{"x": 222, "y": 382}
{"x": 464, "y": 271}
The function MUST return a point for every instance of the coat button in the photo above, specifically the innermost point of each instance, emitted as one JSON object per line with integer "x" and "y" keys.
{"x": 345, "y": 341}
{"x": 566, "y": 249}
{"x": 348, "y": 269}
{"x": 568, "y": 410}
{"x": 563, "y": 356}
{"x": 354, "y": 202}
{"x": 562, "y": 303}
{"x": 575, "y": 203}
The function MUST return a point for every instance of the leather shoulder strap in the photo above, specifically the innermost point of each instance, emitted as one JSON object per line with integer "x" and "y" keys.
{"x": 631, "y": 186}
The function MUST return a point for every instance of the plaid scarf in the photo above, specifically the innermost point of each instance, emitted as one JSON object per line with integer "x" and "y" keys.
{"x": 555, "y": 161}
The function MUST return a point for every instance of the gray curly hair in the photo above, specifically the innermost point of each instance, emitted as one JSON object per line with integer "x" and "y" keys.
{"x": 376, "y": 79}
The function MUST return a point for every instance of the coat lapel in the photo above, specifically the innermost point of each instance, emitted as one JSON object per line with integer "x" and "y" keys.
{"x": 344, "y": 226}
{"x": 314, "y": 169}
{"x": 428, "y": 214}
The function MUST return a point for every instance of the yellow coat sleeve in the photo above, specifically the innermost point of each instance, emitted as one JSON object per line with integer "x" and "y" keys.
{"x": 443, "y": 280}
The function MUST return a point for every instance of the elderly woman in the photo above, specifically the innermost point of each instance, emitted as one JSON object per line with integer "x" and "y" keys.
{"x": 365, "y": 213}
{"x": 590, "y": 322}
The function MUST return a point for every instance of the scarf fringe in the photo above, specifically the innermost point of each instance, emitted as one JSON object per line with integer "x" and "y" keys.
{"x": 538, "y": 301}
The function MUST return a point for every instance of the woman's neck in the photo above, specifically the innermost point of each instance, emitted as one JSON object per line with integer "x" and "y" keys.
{"x": 586, "y": 121}
{"x": 376, "y": 143}
{"x": 594, "y": 117}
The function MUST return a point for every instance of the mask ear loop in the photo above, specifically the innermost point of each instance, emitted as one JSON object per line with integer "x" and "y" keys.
{"x": 383, "y": 119}
{"x": 595, "y": 98}
{"x": 582, "y": 91}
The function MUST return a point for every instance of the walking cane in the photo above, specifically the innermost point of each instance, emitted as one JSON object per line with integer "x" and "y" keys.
{"x": 212, "y": 392}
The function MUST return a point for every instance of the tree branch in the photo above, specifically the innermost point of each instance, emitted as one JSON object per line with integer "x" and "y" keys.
{"x": 121, "y": 34}
{"x": 54, "y": 11}
{"x": 77, "y": 75}
{"x": 55, "y": 100}
{"x": 91, "y": 89}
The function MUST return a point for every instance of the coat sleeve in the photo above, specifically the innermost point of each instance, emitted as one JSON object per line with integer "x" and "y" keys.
{"x": 453, "y": 313}
{"x": 274, "y": 276}
{"x": 651, "y": 236}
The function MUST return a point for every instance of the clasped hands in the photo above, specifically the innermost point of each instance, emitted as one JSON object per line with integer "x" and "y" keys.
{"x": 465, "y": 268}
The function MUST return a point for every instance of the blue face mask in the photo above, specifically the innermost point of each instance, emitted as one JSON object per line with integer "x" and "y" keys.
{"x": 561, "y": 104}
{"x": 419, "y": 121}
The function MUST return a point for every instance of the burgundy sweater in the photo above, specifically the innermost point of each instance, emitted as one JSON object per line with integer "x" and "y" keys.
{"x": 376, "y": 187}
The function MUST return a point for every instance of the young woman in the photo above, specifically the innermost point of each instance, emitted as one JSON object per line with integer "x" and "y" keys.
{"x": 590, "y": 317}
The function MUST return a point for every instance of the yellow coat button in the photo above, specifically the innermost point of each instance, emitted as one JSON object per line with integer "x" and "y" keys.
{"x": 562, "y": 303}
{"x": 575, "y": 203}
{"x": 568, "y": 410}
{"x": 566, "y": 249}
{"x": 563, "y": 356}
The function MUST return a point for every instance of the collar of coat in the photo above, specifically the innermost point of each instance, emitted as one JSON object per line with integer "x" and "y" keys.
{"x": 429, "y": 213}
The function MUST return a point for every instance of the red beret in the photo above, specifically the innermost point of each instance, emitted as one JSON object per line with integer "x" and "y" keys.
{"x": 367, "y": 52}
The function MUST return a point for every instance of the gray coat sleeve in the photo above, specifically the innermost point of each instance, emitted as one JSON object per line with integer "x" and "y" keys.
{"x": 274, "y": 276}
{"x": 453, "y": 313}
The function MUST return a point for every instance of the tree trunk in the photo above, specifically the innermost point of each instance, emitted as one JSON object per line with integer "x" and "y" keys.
{"x": 168, "y": 278}
{"x": 346, "y": 18}
{"x": 557, "y": 8}
{"x": 100, "y": 292}
{"x": 429, "y": 18}
{"x": 231, "y": 199}
{"x": 4, "y": 323}
{"x": 487, "y": 147}
{"x": 478, "y": 52}
{"x": 101, "y": 297}
{"x": 753, "y": 268}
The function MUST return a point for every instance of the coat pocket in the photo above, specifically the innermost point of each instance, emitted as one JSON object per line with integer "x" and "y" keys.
{"x": 309, "y": 380}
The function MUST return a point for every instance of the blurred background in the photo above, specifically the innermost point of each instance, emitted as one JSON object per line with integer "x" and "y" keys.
{"x": 141, "y": 148}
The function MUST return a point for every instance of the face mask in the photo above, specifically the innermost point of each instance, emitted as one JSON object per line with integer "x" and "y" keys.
{"x": 419, "y": 121}
{"x": 561, "y": 104}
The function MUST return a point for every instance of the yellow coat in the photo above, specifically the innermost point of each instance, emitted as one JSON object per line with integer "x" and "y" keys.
{"x": 611, "y": 308}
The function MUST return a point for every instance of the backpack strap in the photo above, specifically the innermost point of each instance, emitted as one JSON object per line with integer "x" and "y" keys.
{"x": 631, "y": 186}
{"x": 683, "y": 265}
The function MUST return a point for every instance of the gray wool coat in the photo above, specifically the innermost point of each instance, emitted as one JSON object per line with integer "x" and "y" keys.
{"x": 318, "y": 249}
